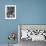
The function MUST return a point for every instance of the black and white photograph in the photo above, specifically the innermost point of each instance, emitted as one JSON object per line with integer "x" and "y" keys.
{"x": 10, "y": 11}
{"x": 31, "y": 34}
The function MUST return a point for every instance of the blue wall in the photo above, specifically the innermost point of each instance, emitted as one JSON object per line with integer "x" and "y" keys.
{"x": 27, "y": 12}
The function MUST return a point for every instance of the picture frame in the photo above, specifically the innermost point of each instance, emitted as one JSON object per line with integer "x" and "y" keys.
{"x": 36, "y": 32}
{"x": 10, "y": 11}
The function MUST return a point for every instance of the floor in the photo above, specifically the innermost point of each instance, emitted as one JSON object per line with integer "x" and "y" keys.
{"x": 34, "y": 43}
{"x": 7, "y": 45}
{"x": 28, "y": 43}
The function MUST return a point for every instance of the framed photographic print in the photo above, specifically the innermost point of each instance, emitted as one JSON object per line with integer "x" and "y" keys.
{"x": 33, "y": 32}
{"x": 10, "y": 11}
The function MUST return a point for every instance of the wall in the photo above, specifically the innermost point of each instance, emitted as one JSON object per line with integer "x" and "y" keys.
{"x": 6, "y": 26}
{"x": 27, "y": 12}
{"x": 31, "y": 11}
